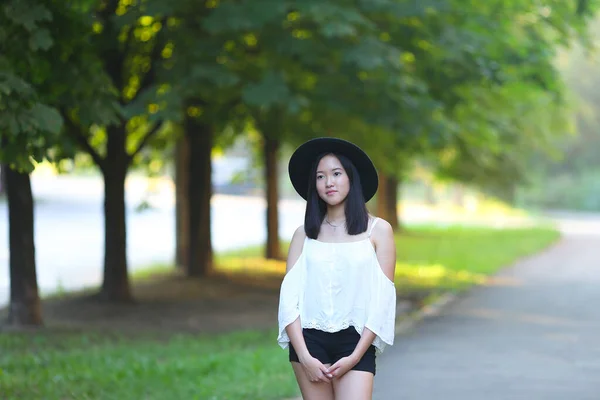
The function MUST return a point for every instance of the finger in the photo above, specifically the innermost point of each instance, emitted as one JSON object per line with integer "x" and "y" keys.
{"x": 333, "y": 367}
{"x": 337, "y": 369}
{"x": 326, "y": 371}
{"x": 324, "y": 375}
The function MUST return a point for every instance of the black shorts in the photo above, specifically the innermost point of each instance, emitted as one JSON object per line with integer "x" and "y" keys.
{"x": 330, "y": 347}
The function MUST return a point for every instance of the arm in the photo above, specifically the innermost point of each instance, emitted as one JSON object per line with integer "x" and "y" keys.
{"x": 294, "y": 330}
{"x": 385, "y": 248}
{"x": 315, "y": 369}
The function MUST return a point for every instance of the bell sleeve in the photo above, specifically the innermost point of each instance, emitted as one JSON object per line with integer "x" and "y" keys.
{"x": 290, "y": 299}
{"x": 381, "y": 318}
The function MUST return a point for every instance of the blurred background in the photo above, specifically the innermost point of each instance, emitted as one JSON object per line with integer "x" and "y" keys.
{"x": 153, "y": 133}
{"x": 140, "y": 138}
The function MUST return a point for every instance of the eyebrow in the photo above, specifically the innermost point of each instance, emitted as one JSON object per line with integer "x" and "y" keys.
{"x": 333, "y": 169}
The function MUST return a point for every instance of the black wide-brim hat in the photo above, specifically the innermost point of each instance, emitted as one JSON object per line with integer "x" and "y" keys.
{"x": 304, "y": 157}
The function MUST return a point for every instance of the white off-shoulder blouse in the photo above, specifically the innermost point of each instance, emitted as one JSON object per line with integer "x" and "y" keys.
{"x": 333, "y": 286}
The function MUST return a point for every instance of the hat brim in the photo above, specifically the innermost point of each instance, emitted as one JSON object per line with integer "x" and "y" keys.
{"x": 302, "y": 160}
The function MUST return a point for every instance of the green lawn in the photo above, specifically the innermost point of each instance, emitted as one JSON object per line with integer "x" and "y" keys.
{"x": 244, "y": 365}
{"x": 433, "y": 259}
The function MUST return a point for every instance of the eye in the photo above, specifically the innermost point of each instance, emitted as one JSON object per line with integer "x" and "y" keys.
{"x": 337, "y": 173}
{"x": 319, "y": 176}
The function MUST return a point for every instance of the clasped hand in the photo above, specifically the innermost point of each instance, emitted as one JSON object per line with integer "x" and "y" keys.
{"x": 317, "y": 372}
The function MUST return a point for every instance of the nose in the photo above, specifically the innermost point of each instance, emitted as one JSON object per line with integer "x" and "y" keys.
{"x": 329, "y": 182}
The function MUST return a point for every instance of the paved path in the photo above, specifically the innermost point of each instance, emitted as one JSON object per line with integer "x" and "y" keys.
{"x": 533, "y": 335}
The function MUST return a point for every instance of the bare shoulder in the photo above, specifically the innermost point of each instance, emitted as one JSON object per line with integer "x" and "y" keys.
{"x": 296, "y": 247}
{"x": 382, "y": 229}
{"x": 299, "y": 234}
{"x": 385, "y": 247}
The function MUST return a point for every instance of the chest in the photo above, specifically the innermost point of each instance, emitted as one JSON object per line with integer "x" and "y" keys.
{"x": 339, "y": 258}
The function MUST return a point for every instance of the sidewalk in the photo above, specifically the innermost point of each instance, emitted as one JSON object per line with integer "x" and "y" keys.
{"x": 533, "y": 334}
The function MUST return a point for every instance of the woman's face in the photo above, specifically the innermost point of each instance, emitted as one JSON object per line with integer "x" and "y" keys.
{"x": 333, "y": 183}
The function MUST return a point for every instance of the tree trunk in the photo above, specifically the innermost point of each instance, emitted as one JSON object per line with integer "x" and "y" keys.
{"x": 510, "y": 194}
{"x": 182, "y": 203}
{"x": 3, "y": 169}
{"x": 271, "y": 150}
{"x": 429, "y": 194}
{"x": 387, "y": 200}
{"x": 115, "y": 286}
{"x": 25, "y": 307}
{"x": 459, "y": 195}
{"x": 200, "y": 140}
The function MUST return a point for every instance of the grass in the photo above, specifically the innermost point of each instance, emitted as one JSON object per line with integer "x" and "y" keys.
{"x": 428, "y": 258}
{"x": 243, "y": 365}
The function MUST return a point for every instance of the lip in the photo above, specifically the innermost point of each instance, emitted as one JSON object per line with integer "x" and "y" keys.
{"x": 330, "y": 192}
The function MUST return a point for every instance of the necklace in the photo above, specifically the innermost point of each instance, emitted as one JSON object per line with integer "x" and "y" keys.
{"x": 334, "y": 226}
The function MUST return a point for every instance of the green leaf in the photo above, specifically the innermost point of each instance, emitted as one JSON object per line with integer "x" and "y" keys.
{"x": 26, "y": 13}
{"x": 370, "y": 54}
{"x": 46, "y": 118}
{"x": 271, "y": 90}
{"x": 215, "y": 74}
{"x": 40, "y": 40}
{"x": 329, "y": 13}
{"x": 10, "y": 83}
{"x": 244, "y": 15}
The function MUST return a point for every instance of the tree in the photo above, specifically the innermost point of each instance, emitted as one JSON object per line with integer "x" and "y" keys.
{"x": 525, "y": 92}
{"x": 312, "y": 68}
{"x": 130, "y": 40}
{"x": 27, "y": 124}
{"x": 465, "y": 53}
{"x": 32, "y": 84}
{"x": 204, "y": 94}
{"x": 3, "y": 169}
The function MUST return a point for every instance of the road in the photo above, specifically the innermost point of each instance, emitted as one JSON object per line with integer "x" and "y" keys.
{"x": 533, "y": 334}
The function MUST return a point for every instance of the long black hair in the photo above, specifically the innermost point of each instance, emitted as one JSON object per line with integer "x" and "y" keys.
{"x": 357, "y": 215}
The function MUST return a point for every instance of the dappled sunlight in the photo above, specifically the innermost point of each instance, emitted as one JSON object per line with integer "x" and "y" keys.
{"x": 428, "y": 259}
{"x": 408, "y": 276}
{"x": 434, "y": 276}
{"x": 251, "y": 265}
{"x": 474, "y": 209}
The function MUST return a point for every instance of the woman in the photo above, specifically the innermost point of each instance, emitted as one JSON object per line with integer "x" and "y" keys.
{"x": 337, "y": 302}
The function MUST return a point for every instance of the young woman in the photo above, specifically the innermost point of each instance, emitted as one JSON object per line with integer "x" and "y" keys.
{"x": 337, "y": 304}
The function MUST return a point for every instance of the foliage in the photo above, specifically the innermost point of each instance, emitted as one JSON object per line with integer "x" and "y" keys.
{"x": 34, "y": 79}
{"x": 311, "y": 68}
{"x": 403, "y": 78}
{"x": 569, "y": 178}
{"x": 27, "y": 123}
{"x": 522, "y": 108}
